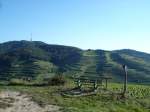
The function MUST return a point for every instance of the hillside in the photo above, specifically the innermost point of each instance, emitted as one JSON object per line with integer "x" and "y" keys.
{"x": 37, "y": 61}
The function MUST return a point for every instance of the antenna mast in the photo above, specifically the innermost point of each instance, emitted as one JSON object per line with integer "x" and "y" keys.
{"x": 31, "y": 37}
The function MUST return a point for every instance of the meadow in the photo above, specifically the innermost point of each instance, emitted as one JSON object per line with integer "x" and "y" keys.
{"x": 137, "y": 100}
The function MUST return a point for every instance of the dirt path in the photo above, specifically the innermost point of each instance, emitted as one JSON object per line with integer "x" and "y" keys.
{"x": 17, "y": 102}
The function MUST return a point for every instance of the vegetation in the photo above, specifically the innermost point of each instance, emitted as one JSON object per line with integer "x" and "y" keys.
{"x": 37, "y": 61}
{"x": 57, "y": 80}
{"x": 138, "y": 99}
{"x": 45, "y": 71}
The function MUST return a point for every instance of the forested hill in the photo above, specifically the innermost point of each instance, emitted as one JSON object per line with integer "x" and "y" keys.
{"x": 38, "y": 60}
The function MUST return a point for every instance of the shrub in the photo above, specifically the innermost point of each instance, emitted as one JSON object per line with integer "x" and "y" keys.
{"x": 57, "y": 80}
{"x": 16, "y": 82}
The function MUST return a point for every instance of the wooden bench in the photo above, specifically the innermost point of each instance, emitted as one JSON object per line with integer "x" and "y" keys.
{"x": 95, "y": 80}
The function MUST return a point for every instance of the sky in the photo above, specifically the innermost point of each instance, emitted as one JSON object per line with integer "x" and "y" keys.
{"x": 94, "y": 24}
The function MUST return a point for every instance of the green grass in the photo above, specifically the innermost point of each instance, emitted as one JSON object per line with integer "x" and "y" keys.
{"x": 94, "y": 103}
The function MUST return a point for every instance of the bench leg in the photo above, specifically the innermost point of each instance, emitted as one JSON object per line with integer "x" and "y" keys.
{"x": 79, "y": 84}
{"x": 95, "y": 86}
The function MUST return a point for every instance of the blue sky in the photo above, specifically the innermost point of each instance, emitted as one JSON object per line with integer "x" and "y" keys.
{"x": 95, "y": 24}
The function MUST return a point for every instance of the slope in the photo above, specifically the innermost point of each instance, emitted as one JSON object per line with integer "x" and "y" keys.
{"x": 37, "y": 60}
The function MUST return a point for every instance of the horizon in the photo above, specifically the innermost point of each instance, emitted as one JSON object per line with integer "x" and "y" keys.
{"x": 108, "y": 25}
{"x": 75, "y": 46}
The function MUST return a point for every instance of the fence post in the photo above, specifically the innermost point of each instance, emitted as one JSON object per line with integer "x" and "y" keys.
{"x": 125, "y": 80}
{"x": 106, "y": 83}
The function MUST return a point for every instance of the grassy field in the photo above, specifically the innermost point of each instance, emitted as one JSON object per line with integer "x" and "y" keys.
{"x": 138, "y": 99}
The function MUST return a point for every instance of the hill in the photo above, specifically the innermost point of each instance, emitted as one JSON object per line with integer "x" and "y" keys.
{"x": 37, "y": 60}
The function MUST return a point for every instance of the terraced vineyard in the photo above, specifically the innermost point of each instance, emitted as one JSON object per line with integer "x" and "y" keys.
{"x": 134, "y": 91}
{"x": 39, "y": 60}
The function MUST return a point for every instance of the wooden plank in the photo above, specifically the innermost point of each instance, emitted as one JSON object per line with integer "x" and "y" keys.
{"x": 95, "y": 77}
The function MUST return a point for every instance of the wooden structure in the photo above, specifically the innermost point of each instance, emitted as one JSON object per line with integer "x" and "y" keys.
{"x": 95, "y": 80}
{"x": 125, "y": 79}
{"x": 87, "y": 85}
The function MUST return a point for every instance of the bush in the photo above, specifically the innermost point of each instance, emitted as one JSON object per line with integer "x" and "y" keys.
{"x": 16, "y": 82}
{"x": 57, "y": 80}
